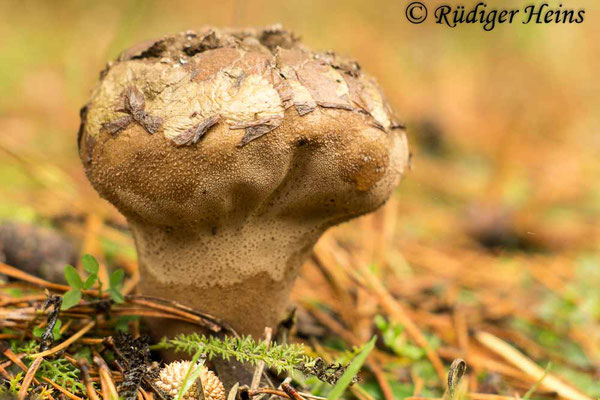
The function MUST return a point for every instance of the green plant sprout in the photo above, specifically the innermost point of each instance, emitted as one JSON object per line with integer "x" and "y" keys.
{"x": 58, "y": 370}
{"x": 91, "y": 266}
{"x": 14, "y": 384}
{"x": 394, "y": 337}
{"x": 280, "y": 357}
{"x": 245, "y": 349}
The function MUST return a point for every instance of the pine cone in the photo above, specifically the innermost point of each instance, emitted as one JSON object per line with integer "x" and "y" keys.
{"x": 171, "y": 377}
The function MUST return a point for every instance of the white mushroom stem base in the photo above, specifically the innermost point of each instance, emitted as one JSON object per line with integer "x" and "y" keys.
{"x": 242, "y": 276}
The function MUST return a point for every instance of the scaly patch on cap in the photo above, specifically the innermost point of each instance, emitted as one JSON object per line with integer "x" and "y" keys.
{"x": 245, "y": 79}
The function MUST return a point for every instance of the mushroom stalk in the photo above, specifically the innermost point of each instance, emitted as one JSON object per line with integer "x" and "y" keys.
{"x": 230, "y": 153}
{"x": 241, "y": 274}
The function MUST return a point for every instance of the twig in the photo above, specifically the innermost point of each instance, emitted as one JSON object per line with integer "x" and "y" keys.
{"x": 186, "y": 313}
{"x": 484, "y": 363}
{"x": 48, "y": 335}
{"x": 23, "y": 300}
{"x": 208, "y": 321}
{"x": 418, "y": 383}
{"x": 291, "y": 392}
{"x": 261, "y": 365}
{"x": 311, "y": 396}
{"x": 280, "y": 393}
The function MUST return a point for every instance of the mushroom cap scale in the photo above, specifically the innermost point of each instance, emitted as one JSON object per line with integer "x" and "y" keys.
{"x": 232, "y": 76}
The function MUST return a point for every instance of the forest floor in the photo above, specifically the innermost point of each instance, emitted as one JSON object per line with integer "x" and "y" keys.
{"x": 488, "y": 252}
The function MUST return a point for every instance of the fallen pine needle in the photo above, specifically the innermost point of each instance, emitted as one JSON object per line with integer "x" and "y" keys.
{"x": 18, "y": 274}
{"x": 85, "y": 373}
{"x": 61, "y": 389}
{"x": 530, "y": 368}
{"x": 398, "y": 314}
{"x": 29, "y": 377}
{"x": 8, "y": 353}
{"x": 66, "y": 343}
{"x": 109, "y": 391}
{"x": 258, "y": 371}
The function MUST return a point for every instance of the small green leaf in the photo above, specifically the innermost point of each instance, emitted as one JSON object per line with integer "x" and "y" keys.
{"x": 89, "y": 282}
{"x": 351, "y": 371}
{"x": 90, "y": 264}
{"x": 73, "y": 278}
{"x": 56, "y": 329}
{"x": 380, "y": 322}
{"x": 86, "y": 353}
{"x": 116, "y": 279}
{"x": 70, "y": 299}
{"x": 38, "y": 332}
{"x": 15, "y": 292}
{"x": 123, "y": 322}
{"x": 116, "y": 296}
{"x": 191, "y": 375}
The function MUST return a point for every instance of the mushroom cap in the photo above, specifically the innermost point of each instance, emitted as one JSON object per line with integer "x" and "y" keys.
{"x": 236, "y": 149}
{"x": 211, "y": 128}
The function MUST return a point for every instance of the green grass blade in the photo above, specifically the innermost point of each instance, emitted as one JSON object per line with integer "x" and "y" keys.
{"x": 532, "y": 390}
{"x": 190, "y": 376}
{"x": 341, "y": 386}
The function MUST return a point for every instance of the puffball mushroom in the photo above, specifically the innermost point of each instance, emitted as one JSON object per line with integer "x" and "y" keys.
{"x": 230, "y": 152}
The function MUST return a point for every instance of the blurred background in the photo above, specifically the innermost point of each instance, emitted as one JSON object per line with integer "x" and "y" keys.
{"x": 495, "y": 228}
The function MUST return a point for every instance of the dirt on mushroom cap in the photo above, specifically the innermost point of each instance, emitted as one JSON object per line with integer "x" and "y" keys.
{"x": 245, "y": 79}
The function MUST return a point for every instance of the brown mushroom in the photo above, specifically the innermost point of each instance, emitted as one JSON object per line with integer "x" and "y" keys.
{"x": 230, "y": 153}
